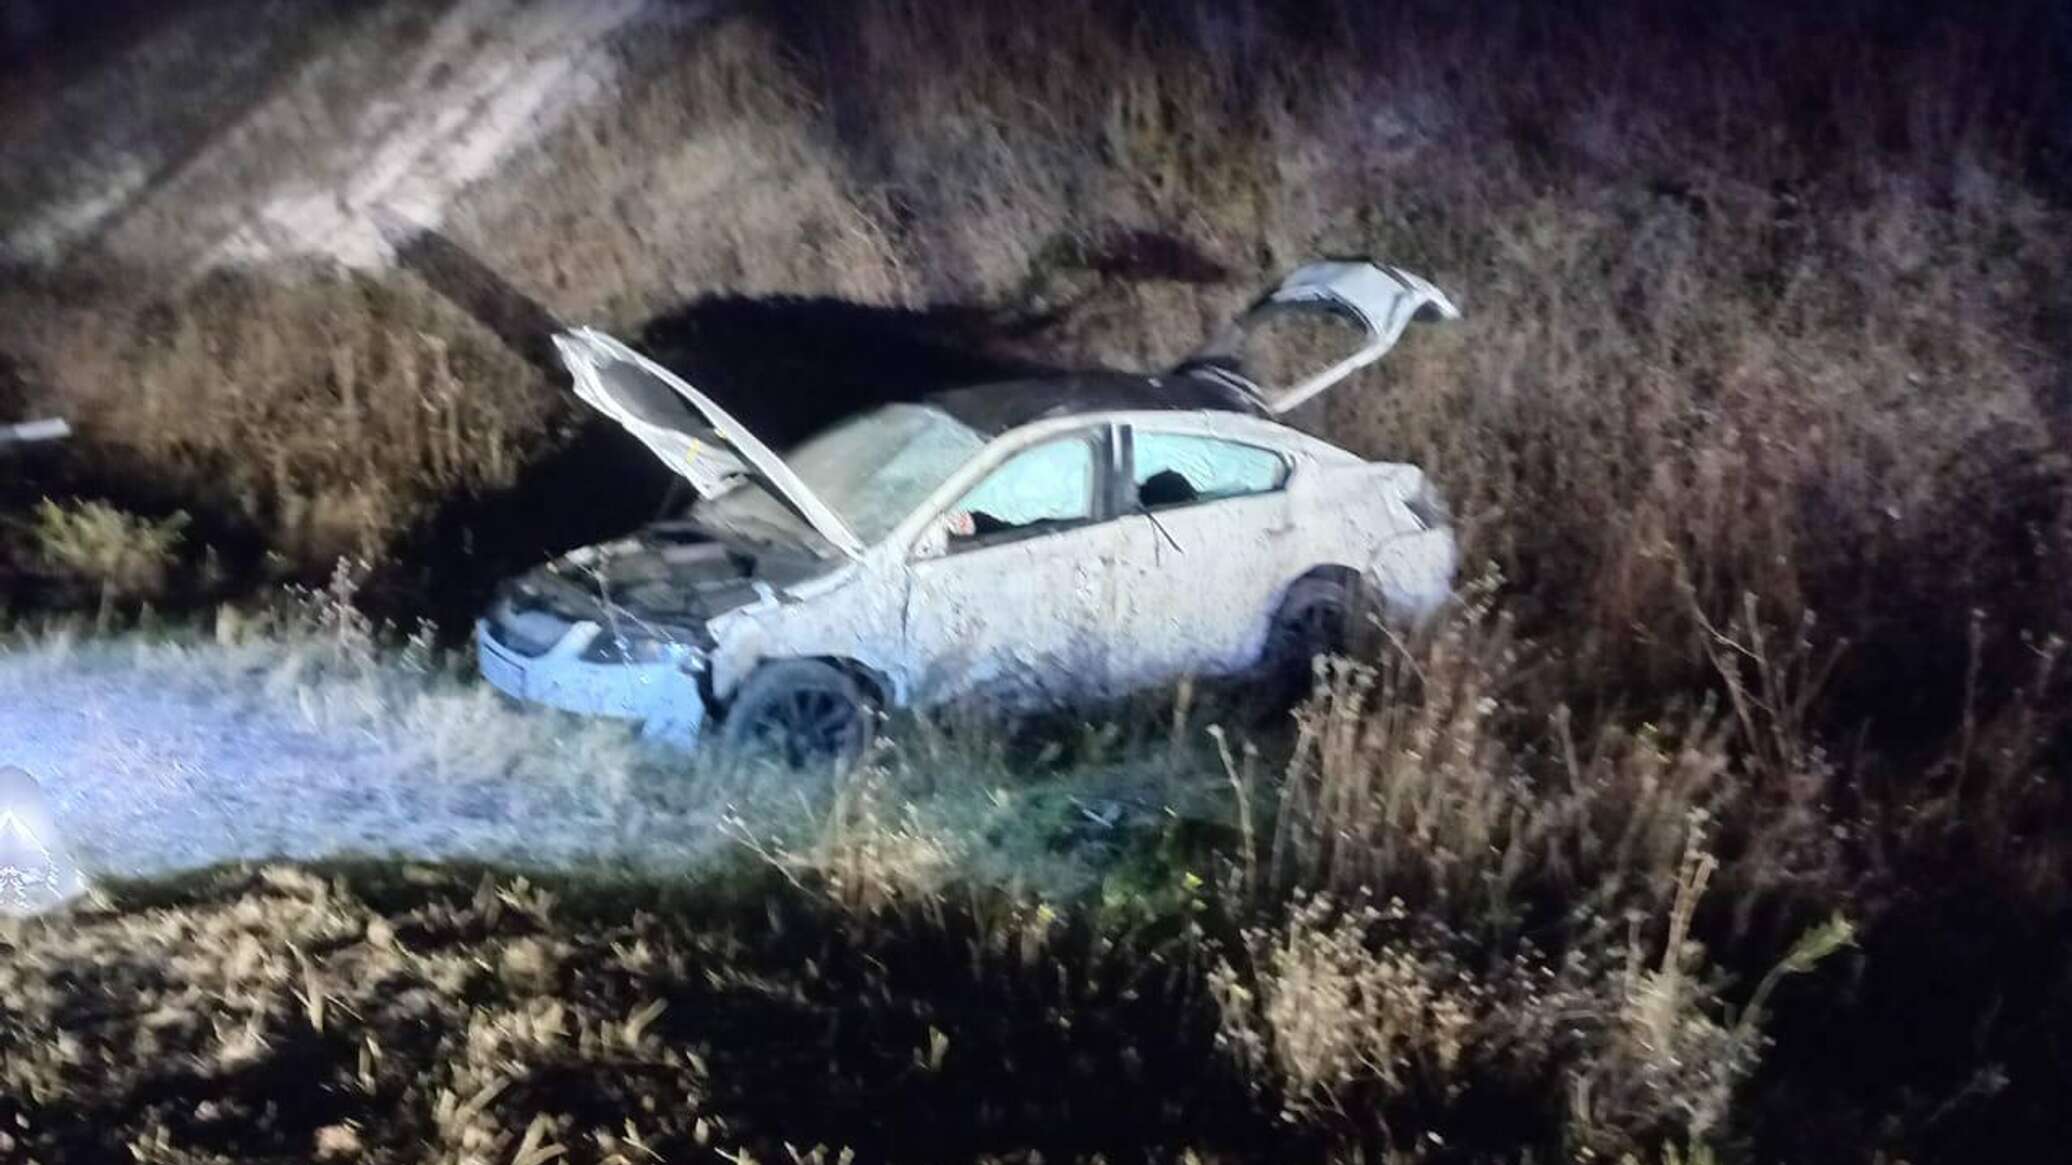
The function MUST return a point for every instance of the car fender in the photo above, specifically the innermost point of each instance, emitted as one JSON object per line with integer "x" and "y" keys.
{"x": 854, "y": 622}
{"x": 1414, "y": 572}
{"x": 1357, "y": 516}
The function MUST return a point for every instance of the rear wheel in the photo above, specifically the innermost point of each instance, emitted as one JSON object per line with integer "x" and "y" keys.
{"x": 800, "y": 713}
{"x": 1320, "y": 615}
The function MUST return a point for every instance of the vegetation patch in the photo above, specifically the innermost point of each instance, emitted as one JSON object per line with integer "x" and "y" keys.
{"x": 1755, "y": 429}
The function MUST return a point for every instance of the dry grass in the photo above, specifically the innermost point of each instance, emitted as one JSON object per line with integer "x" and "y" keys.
{"x": 1757, "y": 413}
{"x": 295, "y": 970}
{"x": 1473, "y": 895}
{"x": 1350, "y": 1014}
{"x": 321, "y": 413}
{"x": 407, "y": 1014}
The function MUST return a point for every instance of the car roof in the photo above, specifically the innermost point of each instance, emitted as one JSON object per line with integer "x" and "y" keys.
{"x": 993, "y": 409}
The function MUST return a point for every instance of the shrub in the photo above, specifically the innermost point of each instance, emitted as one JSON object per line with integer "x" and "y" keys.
{"x": 118, "y": 556}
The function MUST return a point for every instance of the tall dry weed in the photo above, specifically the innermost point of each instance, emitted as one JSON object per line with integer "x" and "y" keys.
{"x": 1355, "y": 1016}
{"x": 323, "y": 411}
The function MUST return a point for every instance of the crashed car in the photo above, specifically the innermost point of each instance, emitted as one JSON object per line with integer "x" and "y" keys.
{"x": 1069, "y": 537}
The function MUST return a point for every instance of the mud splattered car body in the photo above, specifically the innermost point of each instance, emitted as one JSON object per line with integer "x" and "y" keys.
{"x": 1069, "y": 537}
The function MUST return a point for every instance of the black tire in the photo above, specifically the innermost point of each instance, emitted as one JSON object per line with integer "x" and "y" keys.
{"x": 801, "y": 713}
{"x": 1321, "y": 614}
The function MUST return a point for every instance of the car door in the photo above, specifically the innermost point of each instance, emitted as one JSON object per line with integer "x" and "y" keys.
{"x": 1205, "y": 555}
{"x": 1323, "y": 323}
{"x": 1010, "y": 588}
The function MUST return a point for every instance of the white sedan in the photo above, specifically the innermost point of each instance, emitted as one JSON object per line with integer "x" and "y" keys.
{"x": 1063, "y": 538}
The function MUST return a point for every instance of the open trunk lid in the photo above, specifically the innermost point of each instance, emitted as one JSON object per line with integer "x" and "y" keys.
{"x": 694, "y": 437}
{"x": 1378, "y": 302}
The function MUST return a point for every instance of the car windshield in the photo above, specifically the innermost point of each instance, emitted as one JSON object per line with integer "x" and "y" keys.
{"x": 872, "y": 470}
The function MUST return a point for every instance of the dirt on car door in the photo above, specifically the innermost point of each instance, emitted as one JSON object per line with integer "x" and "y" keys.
{"x": 1014, "y": 602}
{"x": 1022, "y": 625}
{"x": 1203, "y": 556}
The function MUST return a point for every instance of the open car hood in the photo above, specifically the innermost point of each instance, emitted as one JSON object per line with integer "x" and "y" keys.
{"x": 694, "y": 437}
{"x": 1380, "y": 301}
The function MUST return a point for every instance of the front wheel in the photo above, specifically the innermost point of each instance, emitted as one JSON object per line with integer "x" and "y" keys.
{"x": 801, "y": 713}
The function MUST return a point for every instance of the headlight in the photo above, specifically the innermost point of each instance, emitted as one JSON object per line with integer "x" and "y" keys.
{"x": 632, "y": 647}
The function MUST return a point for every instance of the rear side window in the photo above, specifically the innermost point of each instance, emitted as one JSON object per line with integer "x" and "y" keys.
{"x": 1175, "y": 469}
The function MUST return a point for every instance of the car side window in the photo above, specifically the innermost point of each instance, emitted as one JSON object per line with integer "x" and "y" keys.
{"x": 1176, "y": 469}
{"x": 1045, "y": 487}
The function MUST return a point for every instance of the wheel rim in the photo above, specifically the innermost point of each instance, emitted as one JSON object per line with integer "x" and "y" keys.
{"x": 807, "y": 726}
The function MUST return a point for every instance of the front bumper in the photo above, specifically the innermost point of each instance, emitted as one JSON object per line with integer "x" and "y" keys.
{"x": 661, "y": 696}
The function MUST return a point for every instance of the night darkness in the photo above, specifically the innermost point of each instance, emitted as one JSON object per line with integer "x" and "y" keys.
{"x": 912, "y": 695}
